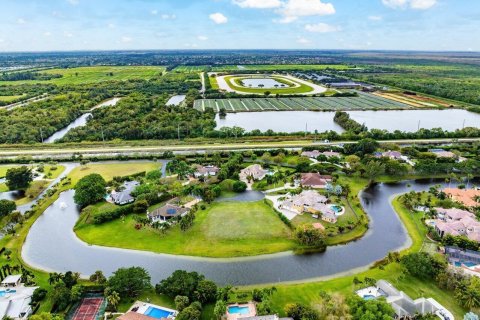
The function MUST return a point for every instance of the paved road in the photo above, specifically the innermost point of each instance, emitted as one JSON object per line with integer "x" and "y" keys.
{"x": 191, "y": 149}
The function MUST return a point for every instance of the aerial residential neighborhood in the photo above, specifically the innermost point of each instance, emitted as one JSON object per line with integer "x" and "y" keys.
{"x": 240, "y": 160}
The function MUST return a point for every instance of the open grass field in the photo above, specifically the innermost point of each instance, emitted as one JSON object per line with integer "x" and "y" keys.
{"x": 364, "y": 101}
{"x": 280, "y": 67}
{"x": 10, "y": 98}
{"x": 96, "y": 74}
{"x": 190, "y": 69}
{"x": 110, "y": 170}
{"x": 224, "y": 229}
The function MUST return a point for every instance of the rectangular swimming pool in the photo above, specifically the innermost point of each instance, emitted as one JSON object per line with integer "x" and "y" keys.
{"x": 157, "y": 313}
{"x": 238, "y": 310}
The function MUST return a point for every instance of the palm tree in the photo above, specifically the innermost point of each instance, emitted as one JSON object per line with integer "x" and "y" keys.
{"x": 113, "y": 299}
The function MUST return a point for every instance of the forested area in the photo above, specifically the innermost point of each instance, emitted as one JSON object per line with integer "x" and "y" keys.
{"x": 28, "y": 75}
{"x": 27, "y": 124}
{"x": 139, "y": 116}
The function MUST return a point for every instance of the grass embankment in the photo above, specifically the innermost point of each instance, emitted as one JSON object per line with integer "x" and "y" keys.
{"x": 308, "y": 293}
{"x": 224, "y": 229}
{"x": 95, "y": 74}
{"x": 110, "y": 170}
{"x": 301, "y": 88}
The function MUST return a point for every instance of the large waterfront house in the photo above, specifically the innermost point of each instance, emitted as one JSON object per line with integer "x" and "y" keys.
{"x": 315, "y": 180}
{"x": 15, "y": 299}
{"x": 310, "y": 201}
{"x": 467, "y": 197}
{"x": 255, "y": 172}
{"x": 124, "y": 196}
{"x": 170, "y": 210}
{"x": 440, "y": 153}
{"x": 205, "y": 171}
{"x": 457, "y": 222}
{"x": 402, "y": 304}
{"x": 394, "y": 155}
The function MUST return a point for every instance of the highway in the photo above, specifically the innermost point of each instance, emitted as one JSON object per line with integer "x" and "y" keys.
{"x": 39, "y": 153}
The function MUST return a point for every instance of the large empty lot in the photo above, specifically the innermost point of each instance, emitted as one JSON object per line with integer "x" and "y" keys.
{"x": 364, "y": 101}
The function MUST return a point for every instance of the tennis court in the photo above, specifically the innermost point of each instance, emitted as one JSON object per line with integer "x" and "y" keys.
{"x": 88, "y": 309}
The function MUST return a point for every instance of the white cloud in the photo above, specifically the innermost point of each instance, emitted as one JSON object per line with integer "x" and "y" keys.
{"x": 47, "y": 33}
{"x": 422, "y": 4}
{"x": 375, "y": 18}
{"x": 67, "y": 34}
{"x": 321, "y": 28}
{"x": 168, "y": 16}
{"x": 303, "y": 41}
{"x": 73, "y": 2}
{"x": 202, "y": 38}
{"x": 293, "y": 9}
{"x": 154, "y": 12}
{"x": 21, "y": 21}
{"x": 126, "y": 39}
{"x": 258, "y": 4}
{"x": 413, "y": 4}
{"x": 111, "y": 26}
{"x": 218, "y": 18}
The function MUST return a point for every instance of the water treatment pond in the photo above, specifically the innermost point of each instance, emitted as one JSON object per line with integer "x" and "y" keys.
{"x": 267, "y": 83}
{"x": 403, "y": 120}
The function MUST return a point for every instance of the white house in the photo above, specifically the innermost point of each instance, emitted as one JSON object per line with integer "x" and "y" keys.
{"x": 15, "y": 298}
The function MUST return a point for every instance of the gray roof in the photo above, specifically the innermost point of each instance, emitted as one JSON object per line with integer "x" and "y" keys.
{"x": 125, "y": 196}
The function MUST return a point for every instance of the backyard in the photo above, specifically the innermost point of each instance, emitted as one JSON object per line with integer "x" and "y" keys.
{"x": 224, "y": 229}
{"x": 110, "y": 170}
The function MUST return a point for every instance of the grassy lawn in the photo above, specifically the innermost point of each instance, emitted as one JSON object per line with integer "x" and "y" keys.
{"x": 213, "y": 83}
{"x": 36, "y": 187}
{"x": 224, "y": 229}
{"x": 4, "y": 169}
{"x": 96, "y": 74}
{"x": 110, "y": 170}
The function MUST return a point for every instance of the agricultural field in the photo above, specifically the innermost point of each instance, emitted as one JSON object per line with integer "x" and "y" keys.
{"x": 96, "y": 74}
{"x": 10, "y": 98}
{"x": 280, "y": 67}
{"x": 364, "y": 101}
{"x": 190, "y": 69}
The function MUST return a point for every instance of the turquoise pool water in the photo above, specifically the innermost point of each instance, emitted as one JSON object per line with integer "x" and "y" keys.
{"x": 157, "y": 313}
{"x": 238, "y": 310}
{"x": 368, "y": 297}
{"x": 4, "y": 292}
{"x": 465, "y": 263}
{"x": 337, "y": 209}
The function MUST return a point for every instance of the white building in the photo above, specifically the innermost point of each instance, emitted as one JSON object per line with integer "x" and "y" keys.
{"x": 15, "y": 298}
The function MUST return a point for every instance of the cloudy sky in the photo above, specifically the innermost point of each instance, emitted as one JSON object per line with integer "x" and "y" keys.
{"x": 48, "y": 25}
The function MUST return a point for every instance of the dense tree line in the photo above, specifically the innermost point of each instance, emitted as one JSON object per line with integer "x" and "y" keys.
{"x": 28, "y": 75}
{"x": 139, "y": 117}
{"x": 343, "y": 119}
{"x": 30, "y": 123}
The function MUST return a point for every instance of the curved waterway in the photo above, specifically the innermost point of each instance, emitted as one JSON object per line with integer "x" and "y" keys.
{"x": 53, "y": 246}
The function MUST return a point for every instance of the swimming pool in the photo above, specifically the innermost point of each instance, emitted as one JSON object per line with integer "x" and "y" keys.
{"x": 465, "y": 263}
{"x": 5, "y": 292}
{"x": 368, "y": 297}
{"x": 238, "y": 310}
{"x": 157, "y": 313}
{"x": 337, "y": 209}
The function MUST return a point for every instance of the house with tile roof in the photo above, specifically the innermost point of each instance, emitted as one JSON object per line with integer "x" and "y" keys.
{"x": 467, "y": 197}
{"x": 255, "y": 171}
{"x": 310, "y": 201}
{"x": 457, "y": 222}
{"x": 315, "y": 180}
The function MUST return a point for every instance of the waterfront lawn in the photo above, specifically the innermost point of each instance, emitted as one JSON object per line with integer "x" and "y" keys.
{"x": 110, "y": 170}
{"x": 224, "y": 229}
{"x": 33, "y": 191}
{"x": 4, "y": 169}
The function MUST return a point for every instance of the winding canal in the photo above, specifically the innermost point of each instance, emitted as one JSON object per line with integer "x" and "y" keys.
{"x": 53, "y": 246}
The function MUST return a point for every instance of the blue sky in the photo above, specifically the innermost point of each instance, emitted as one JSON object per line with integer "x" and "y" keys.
{"x": 47, "y": 25}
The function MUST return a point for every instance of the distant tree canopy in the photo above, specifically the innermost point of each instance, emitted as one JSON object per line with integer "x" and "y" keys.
{"x": 89, "y": 190}
{"x": 19, "y": 178}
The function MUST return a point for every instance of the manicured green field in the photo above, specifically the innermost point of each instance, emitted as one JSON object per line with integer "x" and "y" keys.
{"x": 364, "y": 101}
{"x": 224, "y": 229}
{"x": 273, "y": 67}
{"x": 110, "y": 170}
{"x": 292, "y": 87}
{"x": 96, "y": 74}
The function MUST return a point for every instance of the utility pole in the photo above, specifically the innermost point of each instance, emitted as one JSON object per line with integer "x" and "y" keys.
{"x": 41, "y": 134}
{"x": 103, "y": 136}
{"x": 178, "y": 131}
